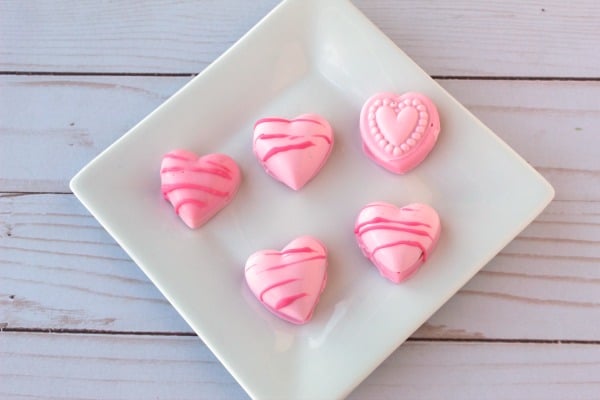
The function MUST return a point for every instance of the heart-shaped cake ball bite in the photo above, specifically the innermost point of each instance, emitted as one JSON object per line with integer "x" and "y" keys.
{"x": 398, "y": 131}
{"x": 289, "y": 282}
{"x": 198, "y": 187}
{"x": 293, "y": 151}
{"x": 397, "y": 240}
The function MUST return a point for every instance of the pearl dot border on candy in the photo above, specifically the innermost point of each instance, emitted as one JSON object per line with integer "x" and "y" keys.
{"x": 416, "y": 134}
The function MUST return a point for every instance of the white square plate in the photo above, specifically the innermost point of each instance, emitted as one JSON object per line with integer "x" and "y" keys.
{"x": 323, "y": 57}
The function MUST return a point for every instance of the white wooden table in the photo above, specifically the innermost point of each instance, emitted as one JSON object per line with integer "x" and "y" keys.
{"x": 79, "y": 320}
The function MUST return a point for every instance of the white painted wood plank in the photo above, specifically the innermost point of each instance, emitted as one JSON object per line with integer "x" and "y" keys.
{"x": 50, "y": 127}
{"x": 52, "y": 366}
{"x": 135, "y": 367}
{"x": 554, "y": 125}
{"x": 60, "y": 270}
{"x": 500, "y": 38}
{"x": 485, "y": 371}
{"x": 467, "y": 38}
{"x": 545, "y": 284}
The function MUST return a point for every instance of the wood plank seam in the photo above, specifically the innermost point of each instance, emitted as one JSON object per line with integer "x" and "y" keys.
{"x": 192, "y": 74}
{"x": 192, "y": 334}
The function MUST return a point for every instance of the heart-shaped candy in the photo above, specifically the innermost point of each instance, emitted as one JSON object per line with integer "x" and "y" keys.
{"x": 289, "y": 282}
{"x": 198, "y": 187}
{"x": 397, "y": 240}
{"x": 293, "y": 151}
{"x": 399, "y": 131}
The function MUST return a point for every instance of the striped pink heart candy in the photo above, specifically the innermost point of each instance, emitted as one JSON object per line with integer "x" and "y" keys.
{"x": 198, "y": 187}
{"x": 293, "y": 151}
{"x": 399, "y": 131}
{"x": 397, "y": 240}
{"x": 289, "y": 282}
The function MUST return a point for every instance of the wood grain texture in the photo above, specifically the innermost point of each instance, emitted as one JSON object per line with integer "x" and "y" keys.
{"x": 54, "y": 142}
{"x": 544, "y": 285}
{"x": 463, "y": 38}
{"x": 59, "y": 270}
{"x": 134, "y": 367}
{"x": 561, "y": 118}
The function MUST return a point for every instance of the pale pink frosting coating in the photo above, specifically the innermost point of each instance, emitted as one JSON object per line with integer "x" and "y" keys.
{"x": 397, "y": 240}
{"x": 293, "y": 151}
{"x": 289, "y": 282}
{"x": 399, "y": 131}
{"x": 198, "y": 187}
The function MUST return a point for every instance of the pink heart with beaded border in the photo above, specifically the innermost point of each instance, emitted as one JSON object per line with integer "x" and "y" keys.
{"x": 399, "y": 131}
{"x": 198, "y": 187}
{"x": 397, "y": 240}
{"x": 293, "y": 151}
{"x": 289, "y": 282}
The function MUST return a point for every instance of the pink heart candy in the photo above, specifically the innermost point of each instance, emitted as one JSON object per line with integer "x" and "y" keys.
{"x": 289, "y": 282}
{"x": 198, "y": 187}
{"x": 397, "y": 240}
{"x": 398, "y": 132}
{"x": 293, "y": 151}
